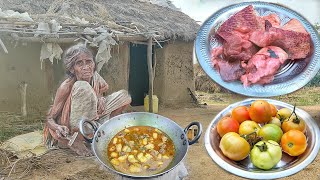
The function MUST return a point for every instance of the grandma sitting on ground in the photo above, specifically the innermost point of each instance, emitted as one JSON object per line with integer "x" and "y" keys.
{"x": 80, "y": 95}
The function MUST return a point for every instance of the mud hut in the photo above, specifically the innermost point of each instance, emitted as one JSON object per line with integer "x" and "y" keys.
{"x": 140, "y": 46}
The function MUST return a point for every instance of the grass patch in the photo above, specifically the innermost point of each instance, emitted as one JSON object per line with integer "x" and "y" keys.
{"x": 307, "y": 96}
{"x": 13, "y": 124}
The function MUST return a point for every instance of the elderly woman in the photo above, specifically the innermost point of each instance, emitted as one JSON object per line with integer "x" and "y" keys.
{"x": 80, "y": 95}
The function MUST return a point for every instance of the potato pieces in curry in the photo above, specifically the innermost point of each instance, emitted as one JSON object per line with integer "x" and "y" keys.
{"x": 140, "y": 150}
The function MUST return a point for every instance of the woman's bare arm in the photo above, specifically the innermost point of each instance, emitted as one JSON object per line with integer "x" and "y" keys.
{"x": 61, "y": 96}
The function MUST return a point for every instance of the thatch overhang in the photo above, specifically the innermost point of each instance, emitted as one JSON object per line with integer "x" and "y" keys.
{"x": 125, "y": 20}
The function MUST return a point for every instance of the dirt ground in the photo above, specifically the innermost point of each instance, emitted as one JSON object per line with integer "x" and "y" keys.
{"x": 64, "y": 164}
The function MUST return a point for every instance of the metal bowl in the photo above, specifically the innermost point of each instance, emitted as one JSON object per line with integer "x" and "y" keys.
{"x": 292, "y": 75}
{"x": 104, "y": 133}
{"x": 287, "y": 166}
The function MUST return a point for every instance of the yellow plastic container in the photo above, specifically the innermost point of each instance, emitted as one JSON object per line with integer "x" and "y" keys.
{"x": 155, "y": 103}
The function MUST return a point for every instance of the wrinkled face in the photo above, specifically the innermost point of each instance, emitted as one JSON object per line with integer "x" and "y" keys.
{"x": 84, "y": 67}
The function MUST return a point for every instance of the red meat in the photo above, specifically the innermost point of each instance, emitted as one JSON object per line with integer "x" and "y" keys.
{"x": 273, "y": 19}
{"x": 238, "y": 49}
{"x": 296, "y": 44}
{"x": 236, "y": 32}
{"x": 229, "y": 71}
{"x": 294, "y": 25}
{"x": 263, "y": 65}
{"x": 292, "y": 37}
{"x": 243, "y": 21}
{"x": 263, "y": 38}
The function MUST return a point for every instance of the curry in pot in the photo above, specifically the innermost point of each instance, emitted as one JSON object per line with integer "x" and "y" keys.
{"x": 142, "y": 150}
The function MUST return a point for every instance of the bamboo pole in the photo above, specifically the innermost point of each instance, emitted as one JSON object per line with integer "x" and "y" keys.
{"x": 72, "y": 40}
{"x": 149, "y": 61}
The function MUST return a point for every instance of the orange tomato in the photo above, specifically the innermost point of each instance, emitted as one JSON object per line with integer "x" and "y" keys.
{"x": 274, "y": 110}
{"x": 240, "y": 113}
{"x": 294, "y": 142}
{"x": 260, "y": 111}
{"x": 293, "y": 122}
{"x": 227, "y": 124}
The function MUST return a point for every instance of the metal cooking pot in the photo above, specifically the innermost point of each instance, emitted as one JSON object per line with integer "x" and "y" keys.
{"x": 104, "y": 133}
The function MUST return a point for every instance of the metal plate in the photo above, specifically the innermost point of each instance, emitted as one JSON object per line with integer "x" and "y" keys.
{"x": 291, "y": 76}
{"x": 287, "y": 166}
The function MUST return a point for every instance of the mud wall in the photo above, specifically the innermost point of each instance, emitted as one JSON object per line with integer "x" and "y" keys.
{"x": 22, "y": 64}
{"x": 116, "y": 72}
{"x": 174, "y": 73}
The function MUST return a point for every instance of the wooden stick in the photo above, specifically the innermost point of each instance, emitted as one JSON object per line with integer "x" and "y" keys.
{"x": 157, "y": 42}
{"x": 194, "y": 98}
{"x": 149, "y": 61}
{"x": 23, "y": 92}
{"x": 143, "y": 43}
{"x": 3, "y": 46}
{"x": 154, "y": 65}
{"x": 18, "y": 23}
{"x": 72, "y": 39}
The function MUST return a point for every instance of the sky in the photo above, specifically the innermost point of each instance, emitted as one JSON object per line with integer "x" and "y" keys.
{"x": 200, "y": 10}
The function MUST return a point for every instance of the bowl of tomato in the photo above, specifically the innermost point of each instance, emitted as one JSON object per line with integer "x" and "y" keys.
{"x": 262, "y": 139}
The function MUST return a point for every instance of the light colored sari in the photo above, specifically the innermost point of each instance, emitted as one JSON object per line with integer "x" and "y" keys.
{"x": 80, "y": 99}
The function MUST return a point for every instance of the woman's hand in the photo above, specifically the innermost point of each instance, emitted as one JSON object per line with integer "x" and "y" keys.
{"x": 101, "y": 105}
{"x": 62, "y": 131}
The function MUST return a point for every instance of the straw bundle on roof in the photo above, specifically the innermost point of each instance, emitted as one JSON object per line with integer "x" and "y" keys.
{"x": 144, "y": 17}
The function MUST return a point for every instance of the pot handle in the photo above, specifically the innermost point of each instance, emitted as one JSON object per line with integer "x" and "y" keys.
{"x": 196, "y": 138}
{"x": 82, "y": 124}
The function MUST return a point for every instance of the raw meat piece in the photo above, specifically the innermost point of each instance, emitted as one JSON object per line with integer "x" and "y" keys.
{"x": 243, "y": 21}
{"x": 263, "y": 38}
{"x": 244, "y": 33}
{"x": 238, "y": 49}
{"x": 273, "y": 19}
{"x": 263, "y": 65}
{"x": 296, "y": 44}
{"x": 229, "y": 71}
{"x": 294, "y": 25}
{"x": 236, "y": 32}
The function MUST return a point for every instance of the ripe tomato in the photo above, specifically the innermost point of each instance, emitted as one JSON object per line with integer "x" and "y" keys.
{"x": 271, "y": 132}
{"x": 293, "y": 122}
{"x": 265, "y": 154}
{"x": 294, "y": 142}
{"x": 227, "y": 124}
{"x": 234, "y": 146}
{"x": 240, "y": 113}
{"x": 274, "y": 110}
{"x": 260, "y": 111}
{"x": 283, "y": 114}
{"x": 247, "y": 127}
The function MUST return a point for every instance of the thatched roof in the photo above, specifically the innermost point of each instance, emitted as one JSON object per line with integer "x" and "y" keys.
{"x": 126, "y": 16}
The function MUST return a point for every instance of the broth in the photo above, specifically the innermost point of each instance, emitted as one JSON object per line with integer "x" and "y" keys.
{"x": 141, "y": 150}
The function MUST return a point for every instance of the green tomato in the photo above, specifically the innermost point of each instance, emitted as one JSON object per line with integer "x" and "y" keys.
{"x": 265, "y": 154}
{"x": 270, "y": 132}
